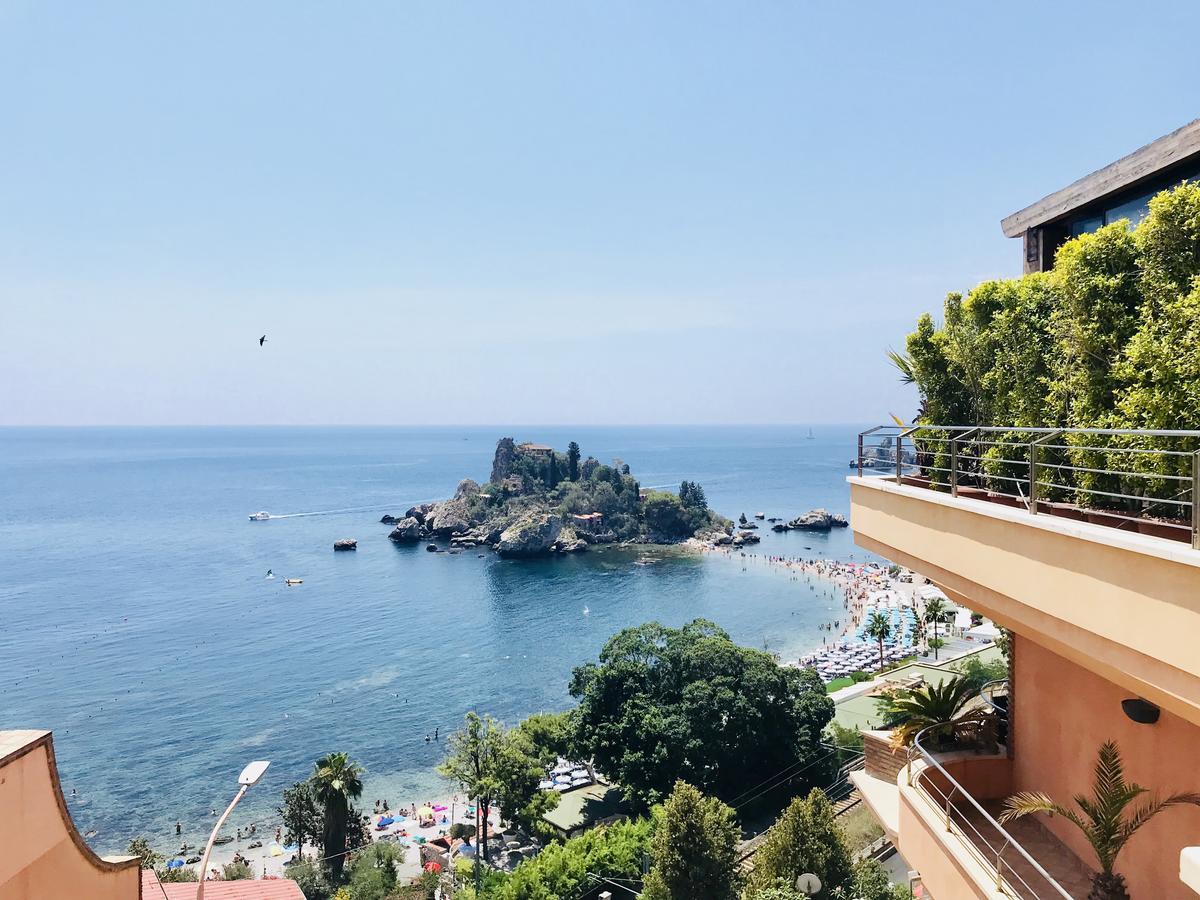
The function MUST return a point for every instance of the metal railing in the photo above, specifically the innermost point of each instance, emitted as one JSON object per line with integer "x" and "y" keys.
{"x": 1142, "y": 481}
{"x": 980, "y": 834}
{"x": 995, "y": 695}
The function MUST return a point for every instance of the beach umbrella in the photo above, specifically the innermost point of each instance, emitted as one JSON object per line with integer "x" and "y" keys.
{"x": 432, "y": 866}
{"x": 424, "y": 812}
{"x": 386, "y": 820}
{"x": 175, "y": 864}
{"x": 276, "y": 850}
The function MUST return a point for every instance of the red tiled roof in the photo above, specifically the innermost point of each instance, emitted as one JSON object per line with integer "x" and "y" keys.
{"x": 250, "y": 889}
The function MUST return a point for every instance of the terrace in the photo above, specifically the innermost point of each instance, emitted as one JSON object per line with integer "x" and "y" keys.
{"x": 1070, "y": 535}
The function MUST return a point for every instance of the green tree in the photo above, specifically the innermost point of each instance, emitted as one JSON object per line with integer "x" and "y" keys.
{"x": 473, "y": 760}
{"x": 573, "y": 461}
{"x": 667, "y": 704}
{"x": 180, "y": 874}
{"x": 301, "y": 813}
{"x": 694, "y": 849}
{"x": 976, "y": 672}
{"x": 781, "y": 890}
{"x": 1108, "y": 819}
{"x": 806, "y": 838}
{"x": 665, "y": 516}
{"x": 139, "y": 846}
{"x": 934, "y": 614}
{"x": 871, "y": 882}
{"x": 337, "y": 780}
{"x": 879, "y": 628}
{"x": 562, "y": 870}
{"x": 372, "y": 875}
{"x": 236, "y": 871}
{"x": 311, "y": 880}
{"x": 552, "y": 476}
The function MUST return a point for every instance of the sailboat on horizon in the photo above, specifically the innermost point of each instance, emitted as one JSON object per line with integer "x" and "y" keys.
{"x": 810, "y": 433}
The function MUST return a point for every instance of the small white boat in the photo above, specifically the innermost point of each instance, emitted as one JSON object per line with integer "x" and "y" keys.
{"x": 259, "y": 516}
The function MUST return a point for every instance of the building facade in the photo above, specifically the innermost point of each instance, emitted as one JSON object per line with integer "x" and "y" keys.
{"x": 1120, "y": 190}
{"x": 1104, "y": 623}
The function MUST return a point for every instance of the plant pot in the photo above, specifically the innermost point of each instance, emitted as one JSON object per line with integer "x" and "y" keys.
{"x": 1005, "y": 499}
{"x": 915, "y": 480}
{"x": 1063, "y": 510}
{"x": 972, "y": 493}
{"x": 1167, "y": 528}
{"x": 1109, "y": 518}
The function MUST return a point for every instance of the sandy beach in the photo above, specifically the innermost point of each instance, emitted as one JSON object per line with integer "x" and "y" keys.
{"x": 270, "y": 859}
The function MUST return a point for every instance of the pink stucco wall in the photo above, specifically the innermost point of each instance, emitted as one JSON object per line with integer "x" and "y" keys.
{"x": 1062, "y": 713}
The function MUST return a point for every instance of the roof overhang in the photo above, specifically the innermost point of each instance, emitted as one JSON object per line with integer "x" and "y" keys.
{"x": 1125, "y": 173}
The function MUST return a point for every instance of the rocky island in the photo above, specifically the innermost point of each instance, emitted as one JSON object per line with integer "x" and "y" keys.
{"x": 538, "y": 501}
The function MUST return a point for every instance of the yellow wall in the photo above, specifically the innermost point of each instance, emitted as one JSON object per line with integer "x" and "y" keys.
{"x": 1124, "y": 606}
{"x": 1061, "y": 715}
{"x": 41, "y": 854}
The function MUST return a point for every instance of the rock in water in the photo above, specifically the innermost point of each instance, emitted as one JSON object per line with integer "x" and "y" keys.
{"x": 450, "y": 517}
{"x": 420, "y": 513}
{"x": 407, "y": 531}
{"x": 388, "y": 520}
{"x": 345, "y": 544}
{"x": 531, "y": 535}
{"x": 817, "y": 520}
{"x": 502, "y": 462}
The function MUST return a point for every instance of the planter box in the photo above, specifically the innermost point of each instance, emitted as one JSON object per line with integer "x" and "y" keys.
{"x": 972, "y": 493}
{"x": 915, "y": 480}
{"x": 1006, "y": 500}
{"x": 1167, "y": 528}
{"x": 1062, "y": 510}
{"x": 1109, "y": 518}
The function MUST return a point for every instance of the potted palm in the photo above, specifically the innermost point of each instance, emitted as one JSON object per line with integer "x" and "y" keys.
{"x": 930, "y": 706}
{"x": 1107, "y": 819}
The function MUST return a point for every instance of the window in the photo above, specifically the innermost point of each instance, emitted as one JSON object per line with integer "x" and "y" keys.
{"x": 1134, "y": 210}
{"x": 1084, "y": 226}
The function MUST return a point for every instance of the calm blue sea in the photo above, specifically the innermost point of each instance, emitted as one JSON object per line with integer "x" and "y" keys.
{"x": 136, "y": 622}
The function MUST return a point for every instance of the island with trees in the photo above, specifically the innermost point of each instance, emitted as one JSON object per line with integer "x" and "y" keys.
{"x": 539, "y": 501}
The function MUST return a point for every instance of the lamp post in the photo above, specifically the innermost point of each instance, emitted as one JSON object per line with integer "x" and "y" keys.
{"x": 249, "y": 777}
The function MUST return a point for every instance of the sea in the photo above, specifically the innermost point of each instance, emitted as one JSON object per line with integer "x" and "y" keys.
{"x": 137, "y": 622}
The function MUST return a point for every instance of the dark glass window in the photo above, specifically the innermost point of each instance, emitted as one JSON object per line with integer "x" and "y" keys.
{"x": 1084, "y": 226}
{"x": 1134, "y": 210}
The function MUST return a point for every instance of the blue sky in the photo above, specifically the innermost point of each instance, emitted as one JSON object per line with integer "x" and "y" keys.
{"x": 619, "y": 212}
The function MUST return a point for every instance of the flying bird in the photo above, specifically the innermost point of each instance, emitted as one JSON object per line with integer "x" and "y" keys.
{"x": 262, "y": 340}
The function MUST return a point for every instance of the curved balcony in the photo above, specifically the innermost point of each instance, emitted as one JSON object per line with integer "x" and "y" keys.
{"x": 951, "y": 791}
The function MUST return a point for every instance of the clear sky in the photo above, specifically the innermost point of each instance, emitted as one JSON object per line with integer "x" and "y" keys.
{"x": 557, "y": 212}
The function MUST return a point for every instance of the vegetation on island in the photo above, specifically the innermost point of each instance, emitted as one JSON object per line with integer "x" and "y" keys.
{"x": 538, "y": 500}
{"x": 1109, "y": 338}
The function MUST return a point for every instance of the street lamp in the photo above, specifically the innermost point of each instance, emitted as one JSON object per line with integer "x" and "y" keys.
{"x": 249, "y": 777}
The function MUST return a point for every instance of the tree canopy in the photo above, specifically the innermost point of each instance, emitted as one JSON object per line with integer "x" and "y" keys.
{"x": 667, "y": 704}
{"x": 694, "y": 849}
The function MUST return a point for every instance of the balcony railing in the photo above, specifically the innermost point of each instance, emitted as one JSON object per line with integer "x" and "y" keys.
{"x": 1139, "y": 481}
{"x": 1014, "y": 871}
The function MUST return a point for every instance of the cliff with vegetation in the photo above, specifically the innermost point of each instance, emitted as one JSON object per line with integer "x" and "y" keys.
{"x": 538, "y": 500}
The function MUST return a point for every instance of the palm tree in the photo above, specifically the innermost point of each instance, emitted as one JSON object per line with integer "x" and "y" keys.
{"x": 879, "y": 627}
{"x": 337, "y": 780}
{"x": 1104, "y": 820}
{"x": 929, "y": 706}
{"x": 935, "y": 612}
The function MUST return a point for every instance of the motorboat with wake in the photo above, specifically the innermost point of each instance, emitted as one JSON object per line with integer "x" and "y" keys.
{"x": 259, "y": 516}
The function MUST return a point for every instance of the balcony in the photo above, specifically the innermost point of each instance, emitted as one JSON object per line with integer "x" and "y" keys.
{"x": 940, "y": 803}
{"x": 1056, "y": 535}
